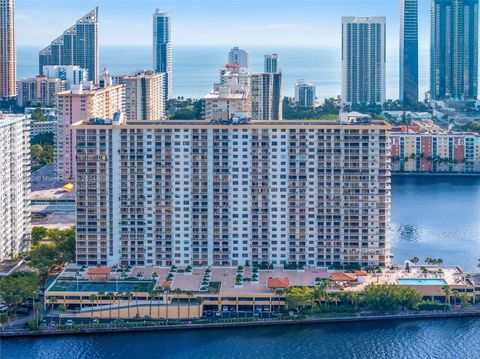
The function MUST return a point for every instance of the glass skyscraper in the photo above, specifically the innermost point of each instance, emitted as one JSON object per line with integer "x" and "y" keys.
{"x": 454, "y": 50}
{"x": 409, "y": 52}
{"x": 8, "y": 64}
{"x": 77, "y": 46}
{"x": 162, "y": 48}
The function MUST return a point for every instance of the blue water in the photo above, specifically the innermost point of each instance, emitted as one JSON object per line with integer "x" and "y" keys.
{"x": 196, "y": 68}
{"x": 421, "y": 281}
{"x": 450, "y": 338}
{"x": 437, "y": 217}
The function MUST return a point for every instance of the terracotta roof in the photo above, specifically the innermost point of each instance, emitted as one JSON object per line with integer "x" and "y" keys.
{"x": 342, "y": 277}
{"x": 166, "y": 284}
{"x": 275, "y": 283}
{"x": 99, "y": 271}
{"x": 361, "y": 273}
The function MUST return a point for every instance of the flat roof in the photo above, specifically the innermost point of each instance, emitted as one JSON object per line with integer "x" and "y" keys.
{"x": 207, "y": 124}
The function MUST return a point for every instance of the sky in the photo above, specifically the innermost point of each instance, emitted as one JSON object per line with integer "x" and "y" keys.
{"x": 301, "y": 23}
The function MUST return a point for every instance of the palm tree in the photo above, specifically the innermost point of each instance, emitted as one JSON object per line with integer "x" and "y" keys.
{"x": 101, "y": 295}
{"x": 200, "y": 301}
{"x": 53, "y": 301}
{"x": 189, "y": 296}
{"x": 129, "y": 298}
{"x": 465, "y": 299}
{"x": 448, "y": 292}
{"x": 92, "y": 299}
{"x": 278, "y": 293}
{"x": 119, "y": 296}
{"x": 319, "y": 293}
{"x": 37, "y": 306}
{"x": 415, "y": 260}
{"x": 151, "y": 294}
{"x": 178, "y": 291}
{"x": 62, "y": 309}
{"x": 136, "y": 289}
{"x": 456, "y": 296}
{"x": 166, "y": 290}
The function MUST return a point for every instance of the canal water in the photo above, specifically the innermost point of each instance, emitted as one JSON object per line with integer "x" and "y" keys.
{"x": 435, "y": 217}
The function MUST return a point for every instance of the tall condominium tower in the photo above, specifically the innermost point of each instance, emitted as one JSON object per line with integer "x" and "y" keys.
{"x": 363, "y": 60}
{"x": 270, "y": 63}
{"x": 266, "y": 95}
{"x": 77, "y": 46}
{"x": 39, "y": 91}
{"x": 238, "y": 56}
{"x": 8, "y": 63}
{"x": 162, "y": 48}
{"x": 14, "y": 185}
{"x": 144, "y": 95}
{"x": 305, "y": 95}
{"x": 312, "y": 193}
{"x": 83, "y": 101}
{"x": 409, "y": 52}
{"x": 454, "y": 50}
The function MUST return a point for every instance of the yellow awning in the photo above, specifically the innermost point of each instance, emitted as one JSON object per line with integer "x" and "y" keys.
{"x": 67, "y": 187}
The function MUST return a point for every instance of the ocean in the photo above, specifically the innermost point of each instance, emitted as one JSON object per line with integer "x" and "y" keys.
{"x": 195, "y": 69}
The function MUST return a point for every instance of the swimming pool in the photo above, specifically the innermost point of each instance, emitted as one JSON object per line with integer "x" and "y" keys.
{"x": 421, "y": 281}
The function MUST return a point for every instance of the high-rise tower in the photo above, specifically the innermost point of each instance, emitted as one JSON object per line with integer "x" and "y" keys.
{"x": 8, "y": 64}
{"x": 270, "y": 63}
{"x": 409, "y": 52}
{"x": 162, "y": 48}
{"x": 363, "y": 60}
{"x": 454, "y": 50}
{"x": 77, "y": 46}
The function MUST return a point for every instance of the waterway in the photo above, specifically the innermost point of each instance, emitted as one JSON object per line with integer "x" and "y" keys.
{"x": 435, "y": 217}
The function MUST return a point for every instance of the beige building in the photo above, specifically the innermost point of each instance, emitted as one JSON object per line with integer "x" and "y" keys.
{"x": 8, "y": 62}
{"x": 83, "y": 102}
{"x": 39, "y": 91}
{"x": 266, "y": 93}
{"x": 144, "y": 97}
{"x": 310, "y": 193}
{"x": 224, "y": 102}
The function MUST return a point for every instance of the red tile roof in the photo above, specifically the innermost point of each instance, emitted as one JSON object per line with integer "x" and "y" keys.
{"x": 166, "y": 284}
{"x": 99, "y": 271}
{"x": 342, "y": 277}
{"x": 361, "y": 273}
{"x": 275, "y": 283}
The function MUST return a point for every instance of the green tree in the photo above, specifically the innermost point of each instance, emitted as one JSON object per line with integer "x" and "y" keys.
{"x": 18, "y": 287}
{"x": 448, "y": 292}
{"x": 4, "y": 319}
{"x": 38, "y": 234}
{"x": 299, "y": 298}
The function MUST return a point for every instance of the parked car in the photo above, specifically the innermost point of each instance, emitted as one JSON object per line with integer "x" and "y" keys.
{"x": 95, "y": 321}
{"x": 69, "y": 322}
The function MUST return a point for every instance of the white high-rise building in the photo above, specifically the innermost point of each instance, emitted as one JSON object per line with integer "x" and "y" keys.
{"x": 14, "y": 185}
{"x": 305, "y": 95}
{"x": 266, "y": 94}
{"x": 73, "y": 75}
{"x": 144, "y": 95}
{"x": 162, "y": 48}
{"x": 363, "y": 60}
{"x": 238, "y": 56}
{"x": 207, "y": 194}
{"x": 270, "y": 63}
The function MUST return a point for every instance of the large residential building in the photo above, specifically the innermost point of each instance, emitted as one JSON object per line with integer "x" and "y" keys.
{"x": 14, "y": 185}
{"x": 39, "y": 91}
{"x": 8, "y": 62}
{"x": 238, "y": 56}
{"x": 454, "y": 50}
{"x": 270, "y": 63}
{"x": 305, "y": 95}
{"x": 144, "y": 95}
{"x": 409, "y": 52}
{"x": 201, "y": 193}
{"x": 82, "y": 102}
{"x": 162, "y": 48}
{"x": 416, "y": 151}
{"x": 72, "y": 75}
{"x": 77, "y": 46}
{"x": 234, "y": 74}
{"x": 266, "y": 94}
{"x": 363, "y": 60}
{"x": 225, "y": 101}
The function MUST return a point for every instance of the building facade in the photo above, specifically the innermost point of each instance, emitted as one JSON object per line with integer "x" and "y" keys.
{"x": 363, "y": 60}
{"x": 270, "y": 63}
{"x": 14, "y": 185}
{"x": 144, "y": 95}
{"x": 39, "y": 91}
{"x": 409, "y": 52}
{"x": 203, "y": 194}
{"x": 8, "y": 61}
{"x": 82, "y": 102}
{"x": 454, "y": 50}
{"x": 305, "y": 95}
{"x": 435, "y": 152}
{"x": 238, "y": 56}
{"x": 224, "y": 102}
{"x": 266, "y": 94}
{"x": 72, "y": 75}
{"x": 162, "y": 49}
{"x": 77, "y": 46}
